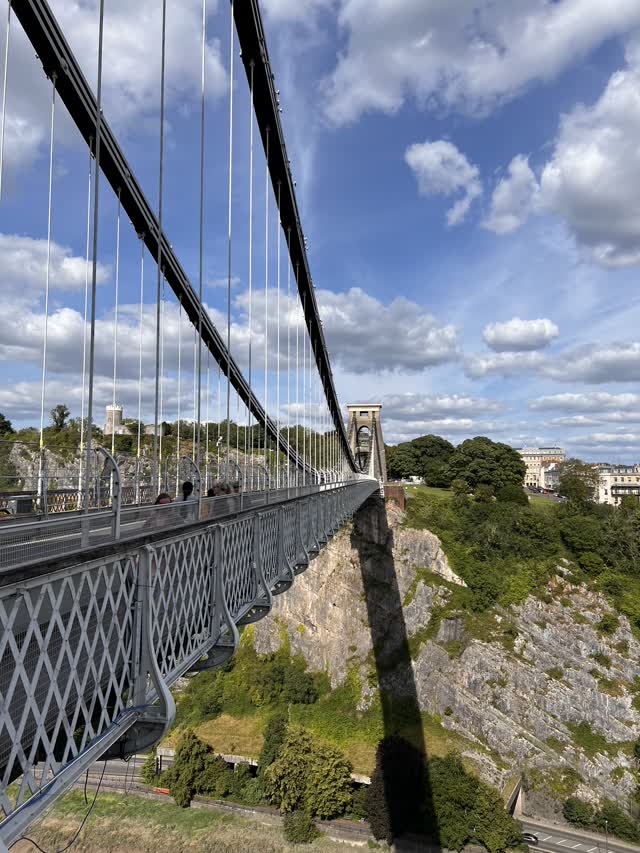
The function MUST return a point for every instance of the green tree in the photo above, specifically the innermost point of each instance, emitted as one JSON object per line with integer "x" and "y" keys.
{"x": 5, "y": 426}
{"x": 512, "y": 494}
{"x": 468, "y": 809}
{"x": 299, "y": 828}
{"x": 578, "y": 812}
{"x": 195, "y": 769}
{"x": 578, "y": 481}
{"x": 275, "y": 735}
{"x": 582, "y": 533}
{"x": 59, "y": 416}
{"x": 396, "y": 797}
{"x": 309, "y": 775}
{"x": 483, "y": 493}
{"x": 593, "y": 564}
{"x": 299, "y": 687}
{"x": 480, "y": 460}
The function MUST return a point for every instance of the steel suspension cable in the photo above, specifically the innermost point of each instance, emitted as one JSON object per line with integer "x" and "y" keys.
{"x": 94, "y": 269}
{"x": 230, "y": 210}
{"x": 84, "y": 326}
{"x": 297, "y": 313}
{"x": 266, "y": 297}
{"x": 115, "y": 327}
{"x": 161, "y": 422}
{"x": 140, "y": 337}
{"x": 201, "y": 241}
{"x": 288, "y": 355}
{"x": 304, "y": 393}
{"x": 251, "y": 125}
{"x": 206, "y": 438}
{"x": 156, "y": 467}
{"x": 195, "y": 401}
{"x": 4, "y": 94}
{"x": 46, "y": 290}
{"x": 179, "y": 395}
{"x": 278, "y": 353}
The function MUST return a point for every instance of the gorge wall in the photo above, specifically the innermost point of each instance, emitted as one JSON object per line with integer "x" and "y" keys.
{"x": 535, "y": 689}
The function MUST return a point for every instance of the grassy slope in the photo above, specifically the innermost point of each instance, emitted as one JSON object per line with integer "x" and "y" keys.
{"x": 139, "y": 825}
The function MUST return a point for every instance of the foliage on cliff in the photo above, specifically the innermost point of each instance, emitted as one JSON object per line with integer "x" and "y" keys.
{"x": 505, "y": 550}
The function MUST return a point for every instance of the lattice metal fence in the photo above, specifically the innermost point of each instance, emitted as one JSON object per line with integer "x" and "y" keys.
{"x": 87, "y": 653}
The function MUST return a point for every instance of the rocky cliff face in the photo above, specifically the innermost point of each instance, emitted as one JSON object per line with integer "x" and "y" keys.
{"x": 537, "y": 688}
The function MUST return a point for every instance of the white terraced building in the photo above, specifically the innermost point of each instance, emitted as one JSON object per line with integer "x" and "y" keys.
{"x": 541, "y": 465}
{"x": 617, "y": 481}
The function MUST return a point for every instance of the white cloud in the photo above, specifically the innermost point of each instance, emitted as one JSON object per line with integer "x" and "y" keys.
{"x": 295, "y": 10}
{"x": 606, "y": 439}
{"x": 593, "y": 401}
{"x": 366, "y": 335}
{"x": 592, "y": 180}
{"x": 513, "y": 198}
{"x": 591, "y": 420}
{"x": 131, "y": 70}
{"x": 441, "y": 169}
{"x": 23, "y": 265}
{"x": 434, "y": 407}
{"x": 468, "y": 55}
{"x": 597, "y": 364}
{"x": 504, "y": 364}
{"x": 517, "y": 335}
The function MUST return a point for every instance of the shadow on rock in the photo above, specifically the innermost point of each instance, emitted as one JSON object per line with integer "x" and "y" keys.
{"x": 399, "y": 799}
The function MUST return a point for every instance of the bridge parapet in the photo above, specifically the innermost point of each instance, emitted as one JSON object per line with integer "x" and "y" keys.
{"x": 88, "y": 652}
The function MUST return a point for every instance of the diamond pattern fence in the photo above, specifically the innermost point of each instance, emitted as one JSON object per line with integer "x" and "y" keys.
{"x": 87, "y": 652}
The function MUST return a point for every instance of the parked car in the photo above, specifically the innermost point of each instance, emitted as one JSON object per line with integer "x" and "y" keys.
{"x": 529, "y": 838}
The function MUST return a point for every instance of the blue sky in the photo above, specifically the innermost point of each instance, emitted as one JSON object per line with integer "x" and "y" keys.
{"x": 469, "y": 182}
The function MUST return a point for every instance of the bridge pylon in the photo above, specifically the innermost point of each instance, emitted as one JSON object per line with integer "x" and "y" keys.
{"x": 364, "y": 431}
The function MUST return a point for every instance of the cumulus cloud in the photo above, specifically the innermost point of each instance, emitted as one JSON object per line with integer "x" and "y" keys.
{"x": 23, "y": 265}
{"x": 592, "y": 401}
{"x": 469, "y": 55}
{"x": 441, "y": 169}
{"x": 295, "y": 10}
{"x": 592, "y": 179}
{"x": 436, "y": 407}
{"x": 506, "y": 364}
{"x": 131, "y": 69}
{"x": 513, "y": 198}
{"x": 519, "y": 335}
{"x": 596, "y": 364}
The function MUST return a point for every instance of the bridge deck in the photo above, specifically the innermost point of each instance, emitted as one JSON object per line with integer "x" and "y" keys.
{"x": 90, "y": 646}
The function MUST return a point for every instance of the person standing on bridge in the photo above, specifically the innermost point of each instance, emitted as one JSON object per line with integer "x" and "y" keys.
{"x": 188, "y": 497}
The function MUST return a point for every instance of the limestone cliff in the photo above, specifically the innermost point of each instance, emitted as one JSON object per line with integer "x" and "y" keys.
{"x": 535, "y": 689}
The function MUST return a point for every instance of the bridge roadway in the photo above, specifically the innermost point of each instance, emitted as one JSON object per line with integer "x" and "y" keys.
{"x": 92, "y": 639}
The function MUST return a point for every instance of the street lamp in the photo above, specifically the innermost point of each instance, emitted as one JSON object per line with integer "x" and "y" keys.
{"x": 606, "y": 836}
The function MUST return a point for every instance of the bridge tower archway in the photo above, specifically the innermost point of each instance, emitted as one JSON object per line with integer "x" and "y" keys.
{"x": 365, "y": 439}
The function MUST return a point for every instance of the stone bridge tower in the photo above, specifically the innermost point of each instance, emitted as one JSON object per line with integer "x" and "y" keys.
{"x": 365, "y": 439}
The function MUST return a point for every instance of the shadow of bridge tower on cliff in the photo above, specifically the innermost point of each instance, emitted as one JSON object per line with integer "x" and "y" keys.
{"x": 401, "y": 766}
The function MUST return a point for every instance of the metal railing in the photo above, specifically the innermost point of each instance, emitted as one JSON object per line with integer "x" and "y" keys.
{"x": 92, "y": 649}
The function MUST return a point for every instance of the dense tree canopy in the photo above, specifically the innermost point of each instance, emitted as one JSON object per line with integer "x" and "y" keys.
{"x": 6, "y": 427}
{"x": 578, "y": 480}
{"x": 309, "y": 775}
{"x": 425, "y": 457}
{"x": 482, "y": 461}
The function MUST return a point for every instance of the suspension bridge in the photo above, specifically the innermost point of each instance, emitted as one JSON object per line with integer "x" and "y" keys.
{"x": 113, "y": 583}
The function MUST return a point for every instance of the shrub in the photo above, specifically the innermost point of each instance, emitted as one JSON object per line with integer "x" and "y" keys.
{"x": 602, "y": 659}
{"x": 299, "y": 828}
{"x": 359, "y": 802}
{"x": 578, "y": 812}
{"x": 592, "y": 563}
{"x": 608, "y": 624}
{"x": 274, "y": 736}
{"x": 299, "y": 687}
{"x": 309, "y": 775}
{"x": 618, "y": 823}
{"x": 148, "y": 769}
{"x": 512, "y": 494}
{"x": 398, "y": 788}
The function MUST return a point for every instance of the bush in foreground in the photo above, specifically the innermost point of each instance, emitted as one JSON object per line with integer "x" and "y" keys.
{"x": 299, "y": 828}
